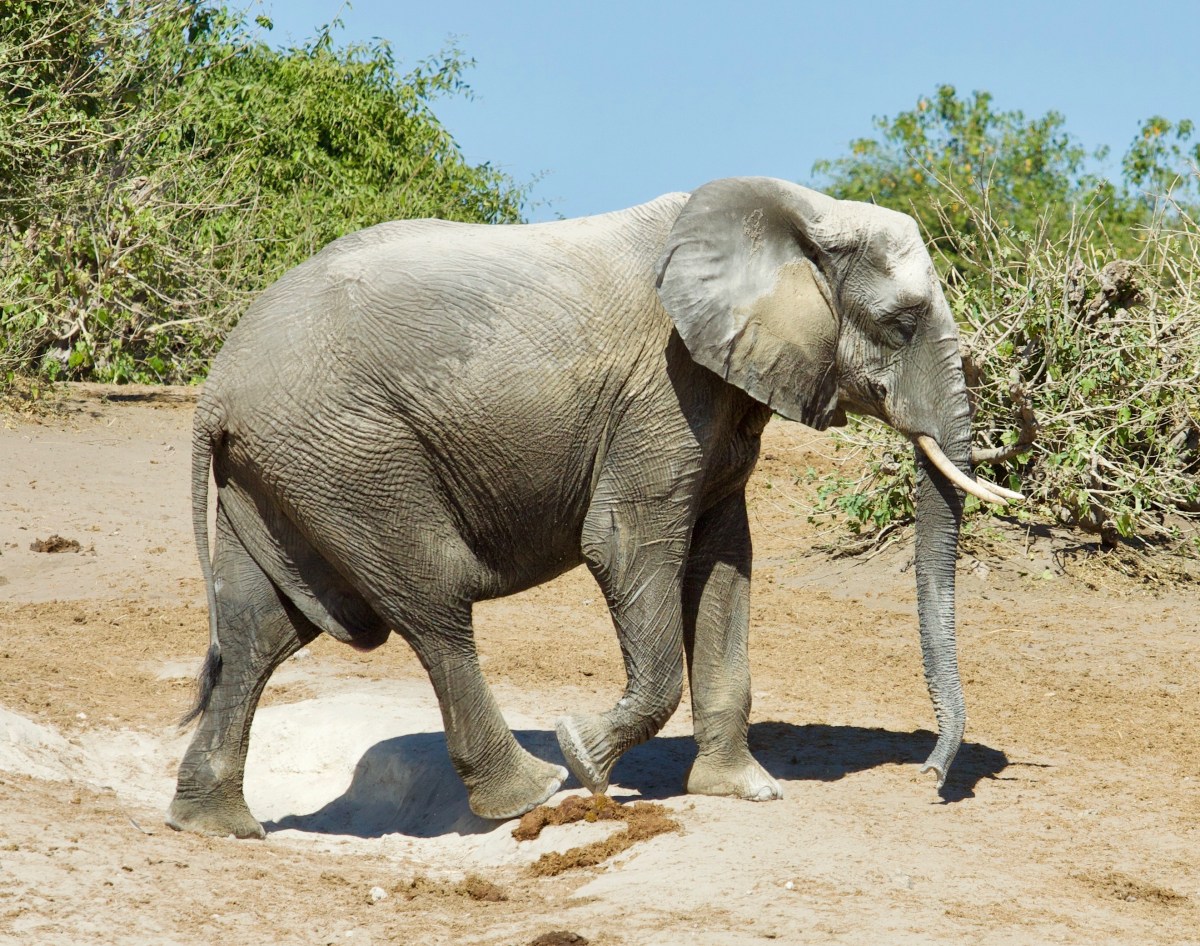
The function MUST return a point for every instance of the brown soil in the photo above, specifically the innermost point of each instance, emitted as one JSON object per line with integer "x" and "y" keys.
{"x": 472, "y": 886}
{"x": 1072, "y": 813}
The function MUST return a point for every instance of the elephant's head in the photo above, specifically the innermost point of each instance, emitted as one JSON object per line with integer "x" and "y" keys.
{"x": 816, "y": 306}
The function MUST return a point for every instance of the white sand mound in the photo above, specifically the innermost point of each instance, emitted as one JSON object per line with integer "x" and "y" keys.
{"x": 363, "y": 763}
{"x": 370, "y": 767}
{"x": 137, "y": 765}
{"x": 29, "y": 748}
{"x": 365, "y": 768}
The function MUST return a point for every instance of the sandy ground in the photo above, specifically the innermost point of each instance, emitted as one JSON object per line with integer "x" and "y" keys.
{"x": 1070, "y": 816}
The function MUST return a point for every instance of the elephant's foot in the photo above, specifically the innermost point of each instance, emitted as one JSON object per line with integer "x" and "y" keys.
{"x": 524, "y": 785}
{"x": 587, "y": 747}
{"x": 210, "y": 816}
{"x": 715, "y": 774}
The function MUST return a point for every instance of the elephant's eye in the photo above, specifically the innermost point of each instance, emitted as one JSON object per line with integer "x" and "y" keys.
{"x": 901, "y": 323}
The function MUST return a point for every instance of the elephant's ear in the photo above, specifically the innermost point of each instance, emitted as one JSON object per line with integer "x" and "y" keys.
{"x": 740, "y": 279}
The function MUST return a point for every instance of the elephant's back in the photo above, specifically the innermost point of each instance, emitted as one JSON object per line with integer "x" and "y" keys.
{"x": 424, "y": 293}
{"x": 485, "y": 363}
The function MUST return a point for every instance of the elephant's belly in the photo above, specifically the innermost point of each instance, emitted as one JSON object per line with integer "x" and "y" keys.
{"x": 470, "y": 509}
{"x": 525, "y": 547}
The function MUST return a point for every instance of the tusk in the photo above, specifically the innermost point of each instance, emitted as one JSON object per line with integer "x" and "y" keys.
{"x": 998, "y": 490}
{"x": 979, "y": 490}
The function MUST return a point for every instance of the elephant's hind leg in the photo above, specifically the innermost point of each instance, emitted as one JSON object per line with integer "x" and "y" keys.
{"x": 716, "y": 618}
{"x": 502, "y": 779}
{"x": 257, "y": 630}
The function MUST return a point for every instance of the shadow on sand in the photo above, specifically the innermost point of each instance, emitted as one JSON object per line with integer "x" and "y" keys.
{"x": 406, "y": 785}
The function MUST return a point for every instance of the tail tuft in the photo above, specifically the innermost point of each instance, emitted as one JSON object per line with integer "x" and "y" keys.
{"x": 206, "y": 681}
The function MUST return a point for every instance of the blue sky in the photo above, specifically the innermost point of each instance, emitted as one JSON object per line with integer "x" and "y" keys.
{"x": 613, "y": 103}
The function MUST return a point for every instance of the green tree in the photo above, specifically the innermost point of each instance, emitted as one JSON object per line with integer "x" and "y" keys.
{"x": 330, "y": 140}
{"x": 951, "y": 157}
{"x": 160, "y": 162}
{"x": 1160, "y": 162}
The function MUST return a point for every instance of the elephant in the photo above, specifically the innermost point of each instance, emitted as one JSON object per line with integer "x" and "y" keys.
{"x": 427, "y": 414}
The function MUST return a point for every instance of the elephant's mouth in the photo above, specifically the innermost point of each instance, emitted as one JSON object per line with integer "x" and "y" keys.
{"x": 979, "y": 488}
{"x": 849, "y": 404}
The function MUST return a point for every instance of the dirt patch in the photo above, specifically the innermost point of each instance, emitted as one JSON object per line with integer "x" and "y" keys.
{"x": 479, "y": 888}
{"x": 643, "y": 820}
{"x": 472, "y": 887}
{"x": 102, "y": 659}
{"x": 56, "y": 543}
{"x": 1117, "y": 886}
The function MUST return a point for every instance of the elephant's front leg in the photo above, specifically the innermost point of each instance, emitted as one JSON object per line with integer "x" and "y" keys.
{"x": 716, "y": 621}
{"x": 636, "y": 554}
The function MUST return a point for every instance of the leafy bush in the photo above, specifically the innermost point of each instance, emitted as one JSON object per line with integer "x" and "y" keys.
{"x": 159, "y": 163}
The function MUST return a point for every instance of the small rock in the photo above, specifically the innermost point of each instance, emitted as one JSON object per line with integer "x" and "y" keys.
{"x": 302, "y": 654}
{"x": 377, "y": 894}
{"x": 559, "y": 938}
{"x": 789, "y": 886}
{"x": 979, "y": 570}
{"x": 81, "y": 716}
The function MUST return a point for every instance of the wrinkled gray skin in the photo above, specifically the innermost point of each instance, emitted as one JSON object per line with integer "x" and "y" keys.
{"x": 429, "y": 414}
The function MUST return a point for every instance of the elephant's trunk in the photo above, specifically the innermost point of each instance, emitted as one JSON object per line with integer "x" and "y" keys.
{"x": 939, "y": 515}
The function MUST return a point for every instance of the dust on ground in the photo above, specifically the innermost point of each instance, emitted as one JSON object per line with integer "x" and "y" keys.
{"x": 1071, "y": 814}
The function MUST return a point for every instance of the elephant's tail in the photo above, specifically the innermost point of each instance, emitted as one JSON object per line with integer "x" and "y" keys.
{"x": 206, "y": 434}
